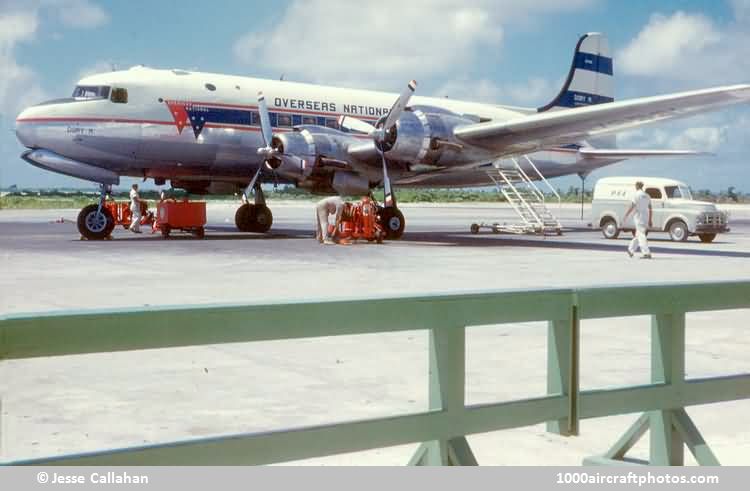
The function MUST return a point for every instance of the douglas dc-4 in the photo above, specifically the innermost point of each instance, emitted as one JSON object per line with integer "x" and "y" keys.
{"x": 210, "y": 133}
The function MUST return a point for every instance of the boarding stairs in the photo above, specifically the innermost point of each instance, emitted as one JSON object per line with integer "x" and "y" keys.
{"x": 526, "y": 199}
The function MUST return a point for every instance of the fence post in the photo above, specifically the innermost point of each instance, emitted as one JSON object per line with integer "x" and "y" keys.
{"x": 447, "y": 393}
{"x": 563, "y": 369}
{"x": 667, "y": 367}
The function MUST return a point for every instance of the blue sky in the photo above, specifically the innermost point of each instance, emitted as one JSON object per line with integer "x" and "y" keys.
{"x": 503, "y": 51}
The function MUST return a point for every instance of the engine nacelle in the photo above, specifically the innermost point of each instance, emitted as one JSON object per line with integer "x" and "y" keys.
{"x": 423, "y": 134}
{"x": 350, "y": 184}
{"x": 302, "y": 148}
{"x": 51, "y": 161}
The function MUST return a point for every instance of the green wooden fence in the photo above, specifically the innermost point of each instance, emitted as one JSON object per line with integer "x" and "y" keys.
{"x": 442, "y": 429}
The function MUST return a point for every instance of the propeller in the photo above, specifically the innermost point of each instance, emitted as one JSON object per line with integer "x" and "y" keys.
{"x": 272, "y": 155}
{"x": 383, "y": 132}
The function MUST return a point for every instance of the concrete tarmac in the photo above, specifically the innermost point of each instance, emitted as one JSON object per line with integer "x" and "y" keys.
{"x": 83, "y": 403}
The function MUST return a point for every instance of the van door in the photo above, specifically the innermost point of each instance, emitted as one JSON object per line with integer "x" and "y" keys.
{"x": 658, "y": 215}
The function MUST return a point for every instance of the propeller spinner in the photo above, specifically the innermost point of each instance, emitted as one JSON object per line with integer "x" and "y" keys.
{"x": 383, "y": 132}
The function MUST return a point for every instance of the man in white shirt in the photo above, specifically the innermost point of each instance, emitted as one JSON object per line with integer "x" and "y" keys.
{"x": 333, "y": 205}
{"x": 135, "y": 210}
{"x": 643, "y": 219}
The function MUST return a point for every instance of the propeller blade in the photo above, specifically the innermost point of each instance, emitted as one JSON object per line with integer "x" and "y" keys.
{"x": 265, "y": 120}
{"x": 399, "y": 105}
{"x": 355, "y": 124}
{"x": 388, "y": 198}
{"x": 252, "y": 182}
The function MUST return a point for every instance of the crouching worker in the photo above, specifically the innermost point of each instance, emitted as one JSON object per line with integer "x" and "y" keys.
{"x": 333, "y": 205}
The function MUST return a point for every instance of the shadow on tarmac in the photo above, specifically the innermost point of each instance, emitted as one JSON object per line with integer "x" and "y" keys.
{"x": 216, "y": 234}
{"x": 463, "y": 239}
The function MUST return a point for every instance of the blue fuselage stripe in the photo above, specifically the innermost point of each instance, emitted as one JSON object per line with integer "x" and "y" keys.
{"x": 593, "y": 63}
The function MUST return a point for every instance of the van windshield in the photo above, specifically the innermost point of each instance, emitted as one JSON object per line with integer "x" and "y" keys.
{"x": 678, "y": 192}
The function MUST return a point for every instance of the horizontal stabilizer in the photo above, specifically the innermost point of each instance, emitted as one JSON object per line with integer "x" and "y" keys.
{"x": 620, "y": 153}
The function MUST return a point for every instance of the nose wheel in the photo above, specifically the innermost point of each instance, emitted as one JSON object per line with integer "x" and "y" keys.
{"x": 95, "y": 221}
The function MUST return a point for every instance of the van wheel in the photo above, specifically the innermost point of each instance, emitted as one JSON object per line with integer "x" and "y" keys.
{"x": 678, "y": 231}
{"x": 609, "y": 229}
{"x": 707, "y": 238}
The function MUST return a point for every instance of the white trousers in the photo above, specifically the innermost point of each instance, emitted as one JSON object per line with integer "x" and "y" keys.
{"x": 639, "y": 240}
{"x": 135, "y": 224}
{"x": 321, "y": 217}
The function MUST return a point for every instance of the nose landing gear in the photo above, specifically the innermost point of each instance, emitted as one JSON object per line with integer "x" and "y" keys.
{"x": 95, "y": 221}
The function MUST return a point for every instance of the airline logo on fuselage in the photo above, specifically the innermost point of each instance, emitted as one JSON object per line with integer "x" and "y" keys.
{"x": 350, "y": 109}
{"x": 292, "y": 111}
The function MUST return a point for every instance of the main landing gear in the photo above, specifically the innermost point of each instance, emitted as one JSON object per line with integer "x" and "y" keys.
{"x": 393, "y": 222}
{"x": 95, "y": 222}
{"x": 391, "y": 218}
{"x": 254, "y": 217}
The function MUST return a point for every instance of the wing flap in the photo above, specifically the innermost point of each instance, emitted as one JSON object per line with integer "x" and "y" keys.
{"x": 532, "y": 132}
{"x": 622, "y": 153}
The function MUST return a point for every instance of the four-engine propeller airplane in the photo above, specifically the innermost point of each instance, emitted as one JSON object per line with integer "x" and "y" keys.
{"x": 204, "y": 133}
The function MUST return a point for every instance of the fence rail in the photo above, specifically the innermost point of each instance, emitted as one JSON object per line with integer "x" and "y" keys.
{"x": 442, "y": 429}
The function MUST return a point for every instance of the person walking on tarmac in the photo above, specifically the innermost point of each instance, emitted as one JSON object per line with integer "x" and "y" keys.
{"x": 135, "y": 210}
{"x": 643, "y": 218}
{"x": 332, "y": 205}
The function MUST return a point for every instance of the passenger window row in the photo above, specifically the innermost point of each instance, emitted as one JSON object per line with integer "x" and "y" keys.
{"x": 286, "y": 120}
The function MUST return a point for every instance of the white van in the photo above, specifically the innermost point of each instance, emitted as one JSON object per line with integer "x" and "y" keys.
{"x": 674, "y": 210}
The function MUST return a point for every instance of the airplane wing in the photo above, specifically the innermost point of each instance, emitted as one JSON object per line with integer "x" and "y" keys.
{"x": 543, "y": 129}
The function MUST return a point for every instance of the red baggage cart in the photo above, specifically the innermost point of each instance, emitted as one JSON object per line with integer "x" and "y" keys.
{"x": 187, "y": 216}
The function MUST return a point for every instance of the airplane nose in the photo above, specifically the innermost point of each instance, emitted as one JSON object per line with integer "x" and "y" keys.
{"x": 25, "y": 129}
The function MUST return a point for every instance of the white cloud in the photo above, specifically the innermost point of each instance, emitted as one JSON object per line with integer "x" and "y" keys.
{"x": 535, "y": 92}
{"x": 100, "y": 66}
{"x": 715, "y": 133}
{"x": 741, "y": 9}
{"x": 383, "y": 43}
{"x": 20, "y": 23}
{"x": 18, "y": 85}
{"x": 690, "y": 47}
{"x": 81, "y": 14}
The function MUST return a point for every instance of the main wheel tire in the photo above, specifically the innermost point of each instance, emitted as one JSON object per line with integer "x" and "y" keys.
{"x": 244, "y": 217}
{"x": 609, "y": 229}
{"x": 95, "y": 224}
{"x": 678, "y": 231}
{"x": 393, "y": 223}
{"x": 474, "y": 228}
{"x": 263, "y": 219}
{"x": 707, "y": 238}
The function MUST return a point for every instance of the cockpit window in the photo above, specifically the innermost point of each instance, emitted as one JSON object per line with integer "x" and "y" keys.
{"x": 91, "y": 92}
{"x": 120, "y": 95}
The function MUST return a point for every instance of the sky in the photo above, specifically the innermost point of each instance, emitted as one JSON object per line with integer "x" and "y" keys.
{"x": 514, "y": 52}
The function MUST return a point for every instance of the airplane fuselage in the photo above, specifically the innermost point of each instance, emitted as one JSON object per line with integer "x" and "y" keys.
{"x": 191, "y": 126}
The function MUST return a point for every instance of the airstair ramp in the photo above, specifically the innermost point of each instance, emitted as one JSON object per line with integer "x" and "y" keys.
{"x": 526, "y": 199}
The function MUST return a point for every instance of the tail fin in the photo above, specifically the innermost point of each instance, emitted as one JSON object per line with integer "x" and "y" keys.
{"x": 590, "y": 79}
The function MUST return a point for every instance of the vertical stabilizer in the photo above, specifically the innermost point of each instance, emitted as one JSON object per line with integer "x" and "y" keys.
{"x": 590, "y": 79}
